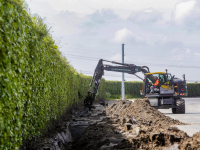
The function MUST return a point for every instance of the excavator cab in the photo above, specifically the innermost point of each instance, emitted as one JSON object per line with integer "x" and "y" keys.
{"x": 168, "y": 85}
{"x": 167, "y": 94}
{"x": 164, "y": 84}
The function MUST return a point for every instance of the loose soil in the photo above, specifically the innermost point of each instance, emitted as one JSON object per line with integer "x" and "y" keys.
{"x": 123, "y": 125}
{"x": 191, "y": 143}
{"x": 131, "y": 125}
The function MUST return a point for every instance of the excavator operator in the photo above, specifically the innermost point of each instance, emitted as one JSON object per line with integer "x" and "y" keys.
{"x": 155, "y": 85}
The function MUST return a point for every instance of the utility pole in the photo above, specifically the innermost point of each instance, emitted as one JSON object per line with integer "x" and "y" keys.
{"x": 123, "y": 89}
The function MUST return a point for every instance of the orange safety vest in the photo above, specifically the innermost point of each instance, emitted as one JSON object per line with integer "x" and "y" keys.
{"x": 156, "y": 83}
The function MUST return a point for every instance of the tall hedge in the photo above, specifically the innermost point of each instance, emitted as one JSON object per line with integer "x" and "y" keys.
{"x": 133, "y": 88}
{"x": 37, "y": 84}
{"x": 193, "y": 89}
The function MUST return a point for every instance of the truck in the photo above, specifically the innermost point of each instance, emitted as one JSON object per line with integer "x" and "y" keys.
{"x": 168, "y": 93}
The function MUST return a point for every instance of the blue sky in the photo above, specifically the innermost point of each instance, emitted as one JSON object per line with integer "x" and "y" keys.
{"x": 157, "y": 33}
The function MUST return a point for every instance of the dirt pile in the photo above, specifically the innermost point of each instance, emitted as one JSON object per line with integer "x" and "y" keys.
{"x": 141, "y": 111}
{"x": 131, "y": 125}
{"x": 123, "y": 125}
{"x": 154, "y": 129}
{"x": 191, "y": 142}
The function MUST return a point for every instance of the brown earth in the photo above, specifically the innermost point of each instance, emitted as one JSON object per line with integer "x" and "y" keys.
{"x": 132, "y": 125}
{"x": 191, "y": 143}
{"x": 123, "y": 125}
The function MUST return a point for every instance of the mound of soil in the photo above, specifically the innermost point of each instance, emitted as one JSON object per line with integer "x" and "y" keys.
{"x": 131, "y": 125}
{"x": 154, "y": 127}
{"x": 123, "y": 125}
{"x": 141, "y": 111}
{"x": 191, "y": 142}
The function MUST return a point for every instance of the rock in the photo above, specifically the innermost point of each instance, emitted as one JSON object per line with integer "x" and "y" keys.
{"x": 153, "y": 136}
{"x": 115, "y": 116}
{"x": 108, "y": 117}
{"x": 123, "y": 121}
{"x": 128, "y": 126}
{"x": 129, "y": 120}
{"x": 105, "y": 142}
{"x": 136, "y": 130}
{"x": 101, "y": 123}
{"x": 198, "y": 139}
{"x": 131, "y": 135}
{"x": 60, "y": 138}
{"x": 134, "y": 121}
{"x": 116, "y": 120}
{"x": 118, "y": 132}
{"x": 114, "y": 140}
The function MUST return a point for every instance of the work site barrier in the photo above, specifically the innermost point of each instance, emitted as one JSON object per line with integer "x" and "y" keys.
{"x": 132, "y": 89}
{"x": 37, "y": 84}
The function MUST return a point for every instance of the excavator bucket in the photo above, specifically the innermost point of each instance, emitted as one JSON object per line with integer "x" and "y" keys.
{"x": 88, "y": 101}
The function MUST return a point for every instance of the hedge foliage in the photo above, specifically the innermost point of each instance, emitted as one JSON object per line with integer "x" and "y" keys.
{"x": 132, "y": 89}
{"x": 37, "y": 83}
{"x": 193, "y": 89}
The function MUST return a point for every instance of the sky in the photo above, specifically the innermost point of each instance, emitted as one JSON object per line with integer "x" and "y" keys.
{"x": 159, "y": 34}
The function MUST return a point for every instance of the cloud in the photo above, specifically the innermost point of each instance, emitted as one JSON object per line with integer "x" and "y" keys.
{"x": 125, "y": 35}
{"x": 71, "y": 18}
{"x": 167, "y": 42}
{"x": 42, "y": 8}
{"x": 117, "y": 58}
{"x": 162, "y": 41}
{"x": 188, "y": 51}
{"x": 187, "y": 14}
{"x": 174, "y": 44}
{"x": 149, "y": 15}
{"x": 197, "y": 54}
{"x": 65, "y": 23}
{"x": 183, "y": 10}
{"x": 100, "y": 18}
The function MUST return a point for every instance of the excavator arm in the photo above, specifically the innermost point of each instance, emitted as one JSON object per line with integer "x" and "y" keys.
{"x": 99, "y": 72}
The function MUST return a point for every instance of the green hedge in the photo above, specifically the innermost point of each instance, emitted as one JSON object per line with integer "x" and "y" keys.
{"x": 37, "y": 84}
{"x": 193, "y": 89}
{"x": 132, "y": 89}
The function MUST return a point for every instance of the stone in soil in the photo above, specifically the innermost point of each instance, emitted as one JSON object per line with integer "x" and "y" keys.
{"x": 192, "y": 143}
{"x": 136, "y": 124}
{"x": 128, "y": 125}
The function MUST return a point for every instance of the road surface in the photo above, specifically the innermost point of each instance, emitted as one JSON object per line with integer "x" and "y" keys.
{"x": 191, "y": 116}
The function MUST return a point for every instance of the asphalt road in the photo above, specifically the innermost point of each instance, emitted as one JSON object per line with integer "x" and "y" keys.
{"x": 191, "y": 116}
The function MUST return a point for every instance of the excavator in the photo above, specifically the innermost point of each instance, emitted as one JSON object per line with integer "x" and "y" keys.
{"x": 167, "y": 94}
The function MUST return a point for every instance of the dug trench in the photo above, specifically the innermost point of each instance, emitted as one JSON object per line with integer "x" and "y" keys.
{"x": 122, "y": 125}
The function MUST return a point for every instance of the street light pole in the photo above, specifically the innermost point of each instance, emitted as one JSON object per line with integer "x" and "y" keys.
{"x": 123, "y": 89}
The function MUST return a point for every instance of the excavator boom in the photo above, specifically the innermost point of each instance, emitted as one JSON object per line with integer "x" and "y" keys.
{"x": 166, "y": 94}
{"x": 99, "y": 72}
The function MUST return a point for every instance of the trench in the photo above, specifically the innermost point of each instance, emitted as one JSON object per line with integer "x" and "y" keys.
{"x": 70, "y": 130}
{"x": 122, "y": 125}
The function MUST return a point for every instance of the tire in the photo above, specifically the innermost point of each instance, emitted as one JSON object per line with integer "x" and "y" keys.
{"x": 180, "y": 106}
{"x": 174, "y": 110}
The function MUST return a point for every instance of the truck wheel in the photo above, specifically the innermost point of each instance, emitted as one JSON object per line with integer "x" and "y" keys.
{"x": 180, "y": 106}
{"x": 174, "y": 110}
